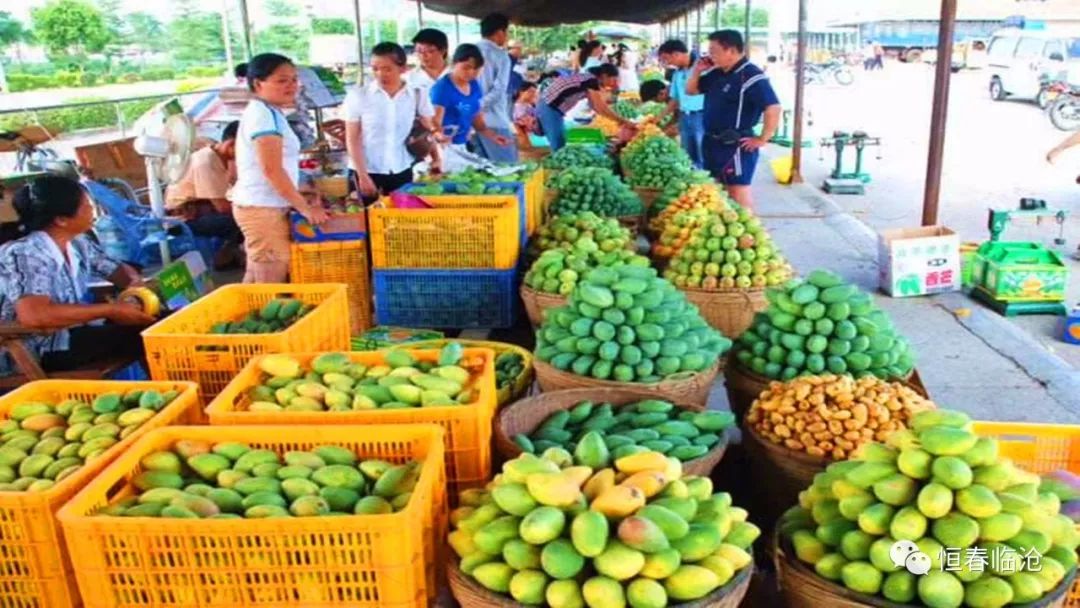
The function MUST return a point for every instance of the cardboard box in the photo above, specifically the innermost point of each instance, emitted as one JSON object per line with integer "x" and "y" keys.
{"x": 919, "y": 261}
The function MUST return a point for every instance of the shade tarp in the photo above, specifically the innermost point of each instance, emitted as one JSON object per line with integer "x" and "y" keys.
{"x": 552, "y": 12}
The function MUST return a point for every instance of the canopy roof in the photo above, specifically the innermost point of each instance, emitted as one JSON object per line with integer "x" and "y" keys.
{"x": 552, "y": 12}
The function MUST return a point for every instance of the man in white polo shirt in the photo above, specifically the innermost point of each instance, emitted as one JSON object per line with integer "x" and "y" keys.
{"x": 431, "y": 47}
{"x": 378, "y": 120}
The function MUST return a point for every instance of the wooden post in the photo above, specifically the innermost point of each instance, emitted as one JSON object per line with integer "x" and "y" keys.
{"x": 800, "y": 66}
{"x": 939, "y": 113}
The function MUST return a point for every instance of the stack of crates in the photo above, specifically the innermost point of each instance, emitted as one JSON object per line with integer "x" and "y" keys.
{"x": 451, "y": 266}
{"x": 335, "y": 252}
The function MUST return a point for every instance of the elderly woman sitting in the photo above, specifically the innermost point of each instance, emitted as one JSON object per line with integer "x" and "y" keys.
{"x": 45, "y": 278}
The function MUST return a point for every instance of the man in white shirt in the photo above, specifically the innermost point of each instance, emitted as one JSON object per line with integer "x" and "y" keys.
{"x": 495, "y": 86}
{"x": 432, "y": 48}
{"x": 378, "y": 120}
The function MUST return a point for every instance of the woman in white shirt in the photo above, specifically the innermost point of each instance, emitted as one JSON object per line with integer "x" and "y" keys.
{"x": 268, "y": 170}
{"x": 626, "y": 60}
{"x": 378, "y": 120}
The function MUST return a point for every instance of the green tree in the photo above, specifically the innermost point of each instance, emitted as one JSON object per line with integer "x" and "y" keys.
{"x": 194, "y": 35}
{"x": 285, "y": 39}
{"x": 70, "y": 28}
{"x": 12, "y": 33}
{"x": 550, "y": 39}
{"x": 332, "y": 26}
{"x": 147, "y": 33}
{"x": 734, "y": 16}
{"x": 119, "y": 35}
{"x": 282, "y": 8}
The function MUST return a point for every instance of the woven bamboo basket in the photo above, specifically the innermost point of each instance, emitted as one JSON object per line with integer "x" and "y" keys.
{"x": 633, "y": 222}
{"x": 648, "y": 196}
{"x": 801, "y": 587}
{"x": 537, "y": 302}
{"x": 526, "y": 415}
{"x": 789, "y": 472}
{"x": 470, "y": 594}
{"x": 732, "y": 311}
{"x": 692, "y": 390}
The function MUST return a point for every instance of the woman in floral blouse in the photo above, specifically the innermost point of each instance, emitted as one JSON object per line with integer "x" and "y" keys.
{"x": 45, "y": 278}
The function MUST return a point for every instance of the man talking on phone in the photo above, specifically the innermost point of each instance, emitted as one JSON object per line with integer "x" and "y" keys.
{"x": 737, "y": 95}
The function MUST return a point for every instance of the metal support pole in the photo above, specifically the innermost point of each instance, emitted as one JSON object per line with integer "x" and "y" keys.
{"x": 746, "y": 33}
{"x": 225, "y": 34}
{"x": 457, "y": 30}
{"x": 939, "y": 113}
{"x": 686, "y": 27}
{"x": 697, "y": 31}
{"x": 419, "y": 13}
{"x": 247, "y": 29}
{"x": 716, "y": 17}
{"x": 359, "y": 41}
{"x": 800, "y": 66}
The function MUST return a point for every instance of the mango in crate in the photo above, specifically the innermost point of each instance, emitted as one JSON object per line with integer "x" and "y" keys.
{"x": 546, "y": 539}
{"x": 333, "y": 383}
{"x": 218, "y": 482}
{"x": 276, "y": 315}
{"x": 41, "y": 444}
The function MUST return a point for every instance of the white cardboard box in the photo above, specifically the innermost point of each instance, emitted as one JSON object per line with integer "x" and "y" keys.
{"x": 919, "y": 261}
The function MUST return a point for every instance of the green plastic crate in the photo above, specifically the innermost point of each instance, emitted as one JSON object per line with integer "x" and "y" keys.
{"x": 1020, "y": 272}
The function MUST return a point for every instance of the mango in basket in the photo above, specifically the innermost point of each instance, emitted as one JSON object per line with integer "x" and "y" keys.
{"x": 946, "y": 501}
{"x": 649, "y": 545}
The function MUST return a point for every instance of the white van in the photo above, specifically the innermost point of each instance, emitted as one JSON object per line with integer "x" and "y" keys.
{"x": 1019, "y": 60}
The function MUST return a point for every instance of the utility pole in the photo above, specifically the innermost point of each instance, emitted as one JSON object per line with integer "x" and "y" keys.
{"x": 939, "y": 113}
{"x": 800, "y": 87}
{"x": 359, "y": 41}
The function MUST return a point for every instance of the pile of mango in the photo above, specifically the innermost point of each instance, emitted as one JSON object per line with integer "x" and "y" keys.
{"x": 558, "y": 271}
{"x": 676, "y": 232}
{"x": 517, "y": 172}
{"x": 333, "y": 383}
{"x": 886, "y": 522}
{"x": 593, "y": 189}
{"x": 598, "y": 434}
{"x": 232, "y": 480}
{"x": 583, "y": 232}
{"x": 696, "y": 196}
{"x": 730, "y": 250}
{"x": 654, "y": 160}
{"x": 274, "y": 316}
{"x": 550, "y": 531}
{"x": 824, "y": 324}
{"x": 42, "y": 443}
{"x": 625, "y": 324}
{"x": 579, "y": 155}
{"x": 675, "y": 188}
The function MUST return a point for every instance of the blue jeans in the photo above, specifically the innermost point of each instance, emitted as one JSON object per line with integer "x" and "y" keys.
{"x": 554, "y": 124}
{"x": 692, "y": 132}
{"x": 494, "y": 152}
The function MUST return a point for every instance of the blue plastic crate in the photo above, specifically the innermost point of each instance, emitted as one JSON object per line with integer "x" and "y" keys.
{"x": 457, "y": 299}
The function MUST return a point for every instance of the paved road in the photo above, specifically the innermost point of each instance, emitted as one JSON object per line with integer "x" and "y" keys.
{"x": 994, "y": 155}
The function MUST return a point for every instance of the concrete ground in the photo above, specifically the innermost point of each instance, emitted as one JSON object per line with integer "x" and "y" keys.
{"x": 982, "y": 363}
{"x": 994, "y": 155}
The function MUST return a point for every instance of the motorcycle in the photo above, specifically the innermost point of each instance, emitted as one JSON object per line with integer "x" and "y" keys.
{"x": 824, "y": 72}
{"x": 1049, "y": 91}
{"x": 1065, "y": 110}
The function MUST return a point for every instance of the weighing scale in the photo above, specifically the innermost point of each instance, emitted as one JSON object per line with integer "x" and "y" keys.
{"x": 1018, "y": 278}
{"x": 783, "y": 137}
{"x": 840, "y": 181}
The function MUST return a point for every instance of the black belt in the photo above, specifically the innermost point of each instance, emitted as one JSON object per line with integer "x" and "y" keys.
{"x": 729, "y": 137}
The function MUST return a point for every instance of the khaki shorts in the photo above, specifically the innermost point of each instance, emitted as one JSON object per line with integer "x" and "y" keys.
{"x": 266, "y": 242}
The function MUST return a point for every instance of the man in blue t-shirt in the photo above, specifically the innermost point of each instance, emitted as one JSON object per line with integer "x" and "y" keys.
{"x": 737, "y": 96}
{"x": 673, "y": 54}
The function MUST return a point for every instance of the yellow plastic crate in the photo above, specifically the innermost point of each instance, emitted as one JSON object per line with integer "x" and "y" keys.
{"x": 337, "y": 262}
{"x": 468, "y": 427}
{"x": 180, "y": 347}
{"x": 534, "y": 201}
{"x": 369, "y": 561}
{"x": 461, "y": 231}
{"x": 1039, "y": 448}
{"x": 35, "y": 569}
